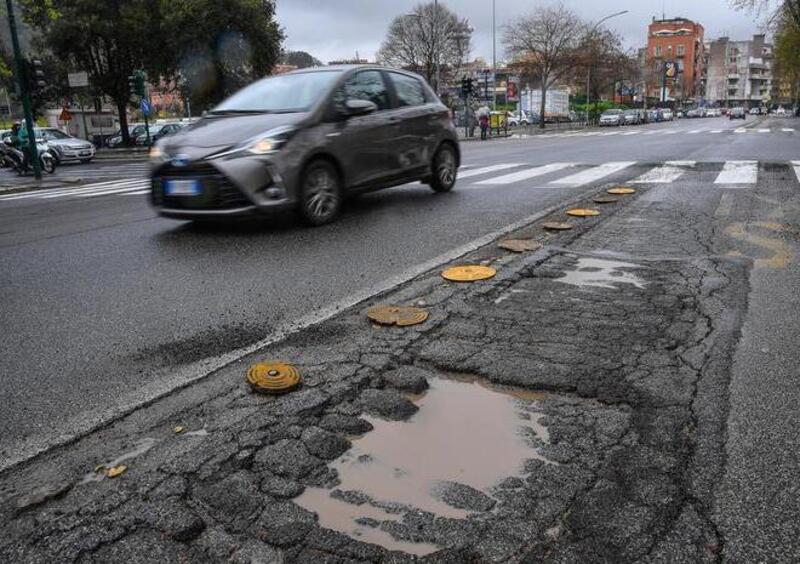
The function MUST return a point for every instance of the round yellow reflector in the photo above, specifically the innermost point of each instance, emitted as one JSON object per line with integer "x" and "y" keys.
{"x": 621, "y": 191}
{"x": 116, "y": 471}
{"x": 469, "y": 273}
{"x": 605, "y": 200}
{"x": 581, "y": 212}
{"x": 397, "y": 315}
{"x": 273, "y": 377}
{"x": 520, "y": 245}
{"x": 557, "y": 226}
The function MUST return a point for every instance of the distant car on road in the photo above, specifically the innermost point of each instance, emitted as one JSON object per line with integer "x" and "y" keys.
{"x": 737, "y": 113}
{"x": 611, "y": 118}
{"x": 304, "y": 141}
{"x": 67, "y": 148}
{"x": 134, "y": 130}
{"x": 755, "y": 111}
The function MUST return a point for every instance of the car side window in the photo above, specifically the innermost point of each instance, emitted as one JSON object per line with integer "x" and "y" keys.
{"x": 364, "y": 85}
{"x": 409, "y": 90}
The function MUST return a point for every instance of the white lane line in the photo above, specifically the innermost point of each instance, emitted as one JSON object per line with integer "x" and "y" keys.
{"x": 90, "y": 189}
{"x": 738, "y": 172}
{"x": 631, "y": 133}
{"x": 796, "y": 166}
{"x": 671, "y": 132}
{"x": 669, "y": 172}
{"x": 609, "y": 133}
{"x": 651, "y": 132}
{"x": 108, "y": 192}
{"x": 763, "y": 130}
{"x": 788, "y": 129}
{"x": 593, "y": 174}
{"x": 487, "y": 170}
{"x": 526, "y": 174}
{"x": 57, "y": 192}
{"x": 716, "y": 131}
{"x": 740, "y": 130}
{"x": 136, "y": 193}
{"x": 695, "y": 131}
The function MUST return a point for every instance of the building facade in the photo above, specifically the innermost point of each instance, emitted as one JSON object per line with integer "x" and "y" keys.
{"x": 679, "y": 41}
{"x": 739, "y": 73}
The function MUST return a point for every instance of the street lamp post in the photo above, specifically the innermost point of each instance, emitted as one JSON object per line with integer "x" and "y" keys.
{"x": 436, "y": 46}
{"x": 494, "y": 57}
{"x": 588, "y": 66}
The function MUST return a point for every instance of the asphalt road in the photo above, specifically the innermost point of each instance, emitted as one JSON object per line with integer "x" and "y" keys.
{"x": 106, "y": 305}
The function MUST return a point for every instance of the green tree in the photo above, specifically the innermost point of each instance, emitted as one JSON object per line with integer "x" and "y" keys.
{"x": 214, "y": 46}
{"x": 300, "y": 59}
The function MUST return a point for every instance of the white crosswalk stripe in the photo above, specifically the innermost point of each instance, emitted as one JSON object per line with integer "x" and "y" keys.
{"x": 788, "y": 129}
{"x": 796, "y": 166}
{"x": 593, "y": 174}
{"x": 97, "y": 188}
{"x": 695, "y": 131}
{"x": 487, "y": 169}
{"x": 738, "y": 172}
{"x": 666, "y": 174}
{"x": 525, "y": 174}
{"x": 740, "y": 130}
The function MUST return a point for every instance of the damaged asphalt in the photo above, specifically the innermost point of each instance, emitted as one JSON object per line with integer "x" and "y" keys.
{"x": 630, "y": 381}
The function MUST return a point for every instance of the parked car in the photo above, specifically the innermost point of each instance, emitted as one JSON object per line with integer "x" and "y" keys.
{"x": 157, "y": 132}
{"x": 667, "y": 115}
{"x": 304, "y": 141}
{"x": 631, "y": 117}
{"x": 781, "y": 111}
{"x": 755, "y": 111}
{"x": 66, "y": 148}
{"x": 737, "y": 113}
{"x": 611, "y": 118}
{"x": 134, "y": 130}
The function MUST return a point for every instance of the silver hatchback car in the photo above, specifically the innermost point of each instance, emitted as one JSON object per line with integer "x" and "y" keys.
{"x": 304, "y": 141}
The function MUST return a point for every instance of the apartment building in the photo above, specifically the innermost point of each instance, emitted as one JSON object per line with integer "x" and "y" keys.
{"x": 679, "y": 41}
{"x": 739, "y": 73}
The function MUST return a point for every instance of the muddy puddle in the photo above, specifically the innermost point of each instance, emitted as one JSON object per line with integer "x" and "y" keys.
{"x": 464, "y": 432}
{"x": 602, "y": 273}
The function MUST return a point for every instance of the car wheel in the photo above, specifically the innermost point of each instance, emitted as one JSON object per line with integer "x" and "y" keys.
{"x": 320, "y": 193}
{"x": 444, "y": 168}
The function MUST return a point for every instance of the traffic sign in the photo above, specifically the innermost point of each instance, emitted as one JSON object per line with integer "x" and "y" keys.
{"x": 78, "y": 79}
{"x": 146, "y": 108}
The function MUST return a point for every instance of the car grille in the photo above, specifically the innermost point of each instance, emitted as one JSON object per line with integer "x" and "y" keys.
{"x": 219, "y": 193}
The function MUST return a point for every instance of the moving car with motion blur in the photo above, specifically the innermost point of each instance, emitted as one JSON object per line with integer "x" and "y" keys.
{"x": 304, "y": 141}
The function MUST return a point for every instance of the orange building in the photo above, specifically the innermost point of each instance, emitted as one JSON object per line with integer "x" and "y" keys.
{"x": 679, "y": 41}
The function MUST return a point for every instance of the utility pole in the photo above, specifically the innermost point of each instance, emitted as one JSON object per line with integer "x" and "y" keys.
{"x": 436, "y": 46}
{"x": 23, "y": 92}
{"x": 589, "y": 66}
{"x": 494, "y": 56}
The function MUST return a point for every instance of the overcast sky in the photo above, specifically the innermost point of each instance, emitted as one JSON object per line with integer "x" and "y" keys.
{"x": 336, "y": 29}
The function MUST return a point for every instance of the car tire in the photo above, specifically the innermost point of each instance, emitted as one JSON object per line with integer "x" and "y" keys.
{"x": 320, "y": 193}
{"x": 444, "y": 169}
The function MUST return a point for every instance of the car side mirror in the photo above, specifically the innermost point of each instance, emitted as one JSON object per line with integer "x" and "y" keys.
{"x": 355, "y": 107}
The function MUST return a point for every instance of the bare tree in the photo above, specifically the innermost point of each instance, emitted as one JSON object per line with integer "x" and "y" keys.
{"x": 545, "y": 42}
{"x": 416, "y": 39}
{"x": 788, "y": 7}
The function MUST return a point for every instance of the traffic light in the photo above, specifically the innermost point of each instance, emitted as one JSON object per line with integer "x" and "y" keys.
{"x": 136, "y": 84}
{"x": 36, "y": 78}
{"x": 466, "y": 87}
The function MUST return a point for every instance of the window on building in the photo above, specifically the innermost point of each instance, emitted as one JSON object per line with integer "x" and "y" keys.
{"x": 657, "y": 51}
{"x": 681, "y": 50}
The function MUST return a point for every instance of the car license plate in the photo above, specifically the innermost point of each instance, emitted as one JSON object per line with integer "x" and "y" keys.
{"x": 183, "y": 187}
{"x": 85, "y": 153}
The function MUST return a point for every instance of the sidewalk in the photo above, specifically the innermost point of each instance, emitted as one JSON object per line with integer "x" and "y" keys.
{"x": 605, "y": 353}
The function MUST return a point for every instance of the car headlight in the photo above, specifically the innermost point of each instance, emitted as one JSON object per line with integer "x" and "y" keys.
{"x": 270, "y": 141}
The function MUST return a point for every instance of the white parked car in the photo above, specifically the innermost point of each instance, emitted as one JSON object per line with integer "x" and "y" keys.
{"x": 68, "y": 149}
{"x": 667, "y": 115}
{"x": 611, "y": 118}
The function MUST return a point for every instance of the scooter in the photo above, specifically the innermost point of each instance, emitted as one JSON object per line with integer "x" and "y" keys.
{"x": 15, "y": 160}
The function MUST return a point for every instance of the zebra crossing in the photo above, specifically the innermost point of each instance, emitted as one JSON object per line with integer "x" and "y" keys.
{"x": 554, "y": 175}
{"x": 659, "y": 132}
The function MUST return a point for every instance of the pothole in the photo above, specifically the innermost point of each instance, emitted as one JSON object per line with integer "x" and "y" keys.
{"x": 602, "y": 273}
{"x": 466, "y": 438}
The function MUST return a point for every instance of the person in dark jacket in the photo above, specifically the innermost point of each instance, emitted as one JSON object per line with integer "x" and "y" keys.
{"x": 484, "y": 123}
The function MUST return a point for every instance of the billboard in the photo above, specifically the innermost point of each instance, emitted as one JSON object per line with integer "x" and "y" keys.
{"x": 512, "y": 89}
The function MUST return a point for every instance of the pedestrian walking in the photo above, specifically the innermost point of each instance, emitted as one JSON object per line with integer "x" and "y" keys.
{"x": 484, "y": 123}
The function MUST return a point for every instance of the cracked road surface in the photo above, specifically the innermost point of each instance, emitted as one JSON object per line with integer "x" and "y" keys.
{"x": 627, "y": 352}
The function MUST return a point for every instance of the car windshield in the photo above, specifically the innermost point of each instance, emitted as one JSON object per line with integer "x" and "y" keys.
{"x": 285, "y": 93}
{"x": 51, "y": 134}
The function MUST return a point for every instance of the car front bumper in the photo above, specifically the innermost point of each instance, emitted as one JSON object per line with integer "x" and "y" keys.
{"x": 229, "y": 188}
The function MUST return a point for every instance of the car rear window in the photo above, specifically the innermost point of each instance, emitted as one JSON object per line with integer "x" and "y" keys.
{"x": 410, "y": 91}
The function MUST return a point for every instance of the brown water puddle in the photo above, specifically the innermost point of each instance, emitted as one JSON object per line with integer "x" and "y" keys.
{"x": 465, "y": 431}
